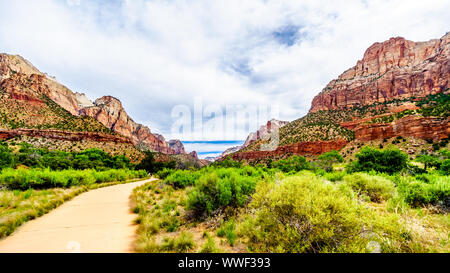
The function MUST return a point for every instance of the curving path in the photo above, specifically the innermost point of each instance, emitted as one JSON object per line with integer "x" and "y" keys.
{"x": 96, "y": 221}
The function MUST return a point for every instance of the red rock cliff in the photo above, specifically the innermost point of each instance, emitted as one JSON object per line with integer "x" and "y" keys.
{"x": 110, "y": 112}
{"x": 16, "y": 73}
{"x": 394, "y": 69}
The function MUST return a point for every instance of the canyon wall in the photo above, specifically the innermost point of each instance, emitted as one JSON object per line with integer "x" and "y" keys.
{"x": 394, "y": 69}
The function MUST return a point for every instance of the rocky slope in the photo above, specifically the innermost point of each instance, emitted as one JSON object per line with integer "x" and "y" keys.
{"x": 110, "y": 112}
{"x": 399, "y": 88}
{"x": 34, "y": 100}
{"x": 264, "y": 131}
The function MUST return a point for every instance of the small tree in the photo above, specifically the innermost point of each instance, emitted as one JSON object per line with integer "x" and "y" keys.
{"x": 151, "y": 165}
{"x": 326, "y": 160}
{"x": 148, "y": 163}
{"x": 390, "y": 160}
{"x": 294, "y": 163}
{"x": 427, "y": 160}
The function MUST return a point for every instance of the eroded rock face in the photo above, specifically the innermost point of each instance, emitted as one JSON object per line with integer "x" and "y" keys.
{"x": 394, "y": 69}
{"x": 15, "y": 72}
{"x": 110, "y": 112}
{"x": 411, "y": 126}
{"x": 271, "y": 126}
{"x": 194, "y": 154}
{"x": 177, "y": 146}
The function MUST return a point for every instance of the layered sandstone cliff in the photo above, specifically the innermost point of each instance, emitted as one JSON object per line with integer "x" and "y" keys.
{"x": 110, "y": 112}
{"x": 399, "y": 88}
{"x": 24, "y": 83}
{"x": 394, "y": 69}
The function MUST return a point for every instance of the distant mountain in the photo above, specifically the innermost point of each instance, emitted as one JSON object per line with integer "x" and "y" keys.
{"x": 177, "y": 146}
{"x": 265, "y": 130}
{"x": 35, "y": 101}
{"x": 400, "y": 88}
{"x": 211, "y": 158}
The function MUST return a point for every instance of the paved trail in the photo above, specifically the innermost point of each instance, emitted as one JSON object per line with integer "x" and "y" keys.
{"x": 97, "y": 221}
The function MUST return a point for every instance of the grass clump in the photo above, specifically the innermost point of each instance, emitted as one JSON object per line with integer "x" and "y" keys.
{"x": 228, "y": 230}
{"x": 181, "y": 244}
{"x": 209, "y": 246}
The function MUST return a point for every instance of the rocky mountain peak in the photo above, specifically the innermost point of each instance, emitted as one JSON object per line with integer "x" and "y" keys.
{"x": 177, "y": 146}
{"x": 394, "y": 69}
{"x": 263, "y": 131}
{"x": 26, "y": 83}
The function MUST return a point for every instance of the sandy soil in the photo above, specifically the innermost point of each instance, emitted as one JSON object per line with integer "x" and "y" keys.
{"x": 98, "y": 221}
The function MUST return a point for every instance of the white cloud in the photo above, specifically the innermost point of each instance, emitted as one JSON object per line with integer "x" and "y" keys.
{"x": 154, "y": 55}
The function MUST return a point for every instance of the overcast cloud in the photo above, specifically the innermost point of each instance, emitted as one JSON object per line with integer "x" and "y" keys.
{"x": 153, "y": 55}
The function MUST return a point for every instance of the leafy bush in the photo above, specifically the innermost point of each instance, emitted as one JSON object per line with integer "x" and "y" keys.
{"x": 162, "y": 174}
{"x": 377, "y": 188}
{"x": 335, "y": 176}
{"x": 390, "y": 160}
{"x": 445, "y": 167}
{"x": 304, "y": 214}
{"x": 292, "y": 164}
{"x": 182, "y": 178}
{"x": 218, "y": 188}
{"x": 60, "y": 160}
{"x": 418, "y": 193}
{"x": 227, "y": 163}
{"x": 181, "y": 244}
{"x": 326, "y": 160}
{"x": 209, "y": 246}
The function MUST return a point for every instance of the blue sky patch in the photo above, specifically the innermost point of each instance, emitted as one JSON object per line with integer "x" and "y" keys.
{"x": 287, "y": 35}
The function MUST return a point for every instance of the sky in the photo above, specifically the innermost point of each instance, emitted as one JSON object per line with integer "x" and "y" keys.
{"x": 163, "y": 58}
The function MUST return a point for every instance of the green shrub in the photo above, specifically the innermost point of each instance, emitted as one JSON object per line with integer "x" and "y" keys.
{"x": 304, "y": 214}
{"x": 209, "y": 246}
{"x": 152, "y": 166}
{"x": 181, "y": 244}
{"x": 445, "y": 167}
{"x": 377, "y": 188}
{"x": 390, "y": 160}
{"x": 335, "y": 176}
{"x": 326, "y": 160}
{"x": 418, "y": 193}
{"x": 218, "y": 188}
{"x": 162, "y": 174}
{"x": 182, "y": 178}
{"x": 6, "y": 158}
{"x": 60, "y": 160}
{"x": 292, "y": 164}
